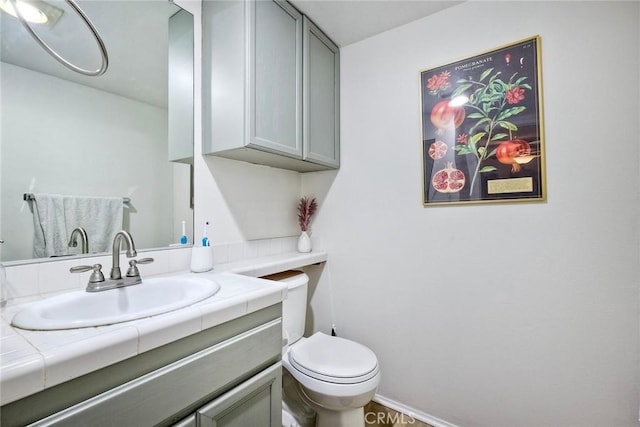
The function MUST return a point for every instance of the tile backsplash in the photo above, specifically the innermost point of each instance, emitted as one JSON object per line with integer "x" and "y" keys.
{"x": 46, "y": 277}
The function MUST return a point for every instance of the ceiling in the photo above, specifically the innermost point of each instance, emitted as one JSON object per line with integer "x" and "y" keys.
{"x": 350, "y": 21}
{"x": 135, "y": 33}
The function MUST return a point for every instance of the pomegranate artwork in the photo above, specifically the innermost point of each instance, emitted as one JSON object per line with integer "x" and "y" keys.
{"x": 438, "y": 150}
{"x": 444, "y": 115}
{"x": 448, "y": 180}
{"x": 482, "y": 136}
{"x": 514, "y": 152}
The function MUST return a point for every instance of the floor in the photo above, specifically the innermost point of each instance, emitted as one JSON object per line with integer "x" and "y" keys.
{"x": 376, "y": 415}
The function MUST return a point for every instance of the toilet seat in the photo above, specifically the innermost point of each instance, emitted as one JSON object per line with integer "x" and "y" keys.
{"x": 333, "y": 359}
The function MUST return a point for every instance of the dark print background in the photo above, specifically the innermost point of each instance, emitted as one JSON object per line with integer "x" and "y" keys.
{"x": 481, "y": 127}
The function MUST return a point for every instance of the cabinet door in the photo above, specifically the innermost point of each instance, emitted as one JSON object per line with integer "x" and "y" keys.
{"x": 321, "y": 73}
{"x": 275, "y": 77}
{"x": 256, "y": 402}
{"x": 180, "y": 90}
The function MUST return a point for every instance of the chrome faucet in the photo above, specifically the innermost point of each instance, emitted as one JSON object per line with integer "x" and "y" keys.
{"x": 73, "y": 240}
{"x": 116, "y": 274}
{"x": 97, "y": 281}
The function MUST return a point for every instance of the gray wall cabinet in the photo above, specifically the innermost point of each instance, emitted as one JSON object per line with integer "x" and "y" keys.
{"x": 321, "y": 97}
{"x": 270, "y": 86}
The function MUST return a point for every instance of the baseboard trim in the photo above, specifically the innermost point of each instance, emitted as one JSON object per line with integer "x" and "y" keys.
{"x": 418, "y": 415}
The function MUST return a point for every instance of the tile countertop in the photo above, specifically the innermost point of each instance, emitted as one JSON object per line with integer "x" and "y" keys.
{"x": 31, "y": 361}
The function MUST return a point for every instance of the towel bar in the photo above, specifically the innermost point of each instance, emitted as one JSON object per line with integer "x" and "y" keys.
{"x": 28, "y": 197}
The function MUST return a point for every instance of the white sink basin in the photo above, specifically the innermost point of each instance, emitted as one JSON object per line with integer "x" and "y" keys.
{"x": 85, "y": 309}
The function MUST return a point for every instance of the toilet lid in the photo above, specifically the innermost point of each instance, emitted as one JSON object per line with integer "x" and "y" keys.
{"x": 333, "y": 359}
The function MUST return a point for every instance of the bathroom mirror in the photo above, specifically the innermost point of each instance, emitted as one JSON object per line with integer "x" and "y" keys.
{"x": 127, "y": 133}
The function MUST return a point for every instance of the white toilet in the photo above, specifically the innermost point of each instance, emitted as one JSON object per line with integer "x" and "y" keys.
{"x": 335, "y": 376}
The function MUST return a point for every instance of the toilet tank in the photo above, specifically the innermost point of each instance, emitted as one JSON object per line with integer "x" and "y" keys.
{"x": 294, "y": 308}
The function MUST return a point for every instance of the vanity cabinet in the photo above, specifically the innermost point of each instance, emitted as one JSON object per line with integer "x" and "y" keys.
{"x": 270, "y": 86}
{"x": 256, "y": 402}
{"x": 227, "y": 375}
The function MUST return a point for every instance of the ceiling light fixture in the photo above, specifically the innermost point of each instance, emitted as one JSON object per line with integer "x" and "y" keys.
{"x": 27, "y": 26}
{"x": 33, "y": 11}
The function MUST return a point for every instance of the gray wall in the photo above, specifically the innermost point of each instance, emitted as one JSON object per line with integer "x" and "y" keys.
{"x": 493, "y": 315}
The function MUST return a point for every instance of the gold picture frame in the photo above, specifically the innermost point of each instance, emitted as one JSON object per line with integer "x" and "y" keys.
{"x": 482, "y": 128}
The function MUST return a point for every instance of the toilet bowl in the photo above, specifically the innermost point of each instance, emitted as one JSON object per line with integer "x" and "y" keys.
{"x": 335, "y": 376}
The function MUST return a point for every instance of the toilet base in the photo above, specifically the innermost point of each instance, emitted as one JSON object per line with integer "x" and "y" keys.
{"x": 333, "y": 417}
{"x": 347, "y": 418}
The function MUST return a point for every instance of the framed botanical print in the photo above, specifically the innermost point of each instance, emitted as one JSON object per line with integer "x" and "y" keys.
{"x": 482, "y": 128}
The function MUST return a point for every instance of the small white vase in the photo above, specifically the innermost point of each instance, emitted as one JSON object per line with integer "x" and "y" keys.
{"x": 304, "y": 242}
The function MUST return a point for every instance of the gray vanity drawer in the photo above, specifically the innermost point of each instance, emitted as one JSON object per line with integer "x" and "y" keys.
{"x": 164, "y": 393}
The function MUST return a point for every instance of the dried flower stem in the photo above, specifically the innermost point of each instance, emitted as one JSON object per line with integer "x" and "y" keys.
{"x": 306, "y": 208}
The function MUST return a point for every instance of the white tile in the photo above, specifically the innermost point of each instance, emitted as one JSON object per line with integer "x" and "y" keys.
{"x": 9, "y": 291}
{"x": 70, "y": 361}
{"x": 7, "y": 314}
{"x": 179, "y": 259}
{"x": 22, "y": 280}
{"x": 20, "y": 376}
{"x": 160, "y": 330}
{"x": 251, "y": 249}
{"x": 104, "y": 260}
{"x": 317, "y": 243}
{"x": 264, "y": 248}
{"x": 220, "y": 254}
{"x": 234, "y": 284}
{"x": 288, "y": 244}
{"x": 236, "y": 252}
{"x": 263, "y": 298}
{"x": 55, "y": 276}
{"x": 222, "y": 311}
{"x": 48, "y": 340}
{"x": 16, "y": 304}
{"x": 276, "y": 246}
{"x": 5, "y": 329}
{"x": 160, "y": 264}
{"x": 13, "y": 346}
{"x": 22, "y": 370}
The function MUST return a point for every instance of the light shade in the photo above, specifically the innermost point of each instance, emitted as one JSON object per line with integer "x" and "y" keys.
{"x": 33, "y": 11}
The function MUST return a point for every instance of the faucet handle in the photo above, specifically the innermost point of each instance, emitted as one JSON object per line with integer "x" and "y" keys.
{"x": 96, "y": 276}
{"x": 133, "y": 268}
